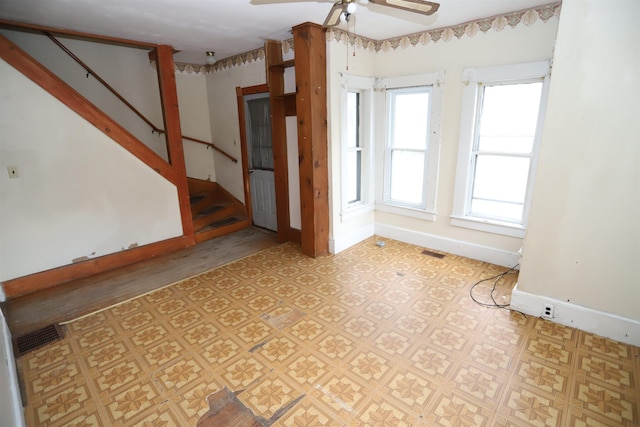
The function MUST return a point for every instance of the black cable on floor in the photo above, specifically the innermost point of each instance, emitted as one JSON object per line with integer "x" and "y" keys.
{"x": 494, "y": 303}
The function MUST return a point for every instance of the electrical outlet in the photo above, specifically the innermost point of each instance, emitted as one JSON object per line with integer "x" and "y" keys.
{"x": 548, "y": 311}
{"x": 13, "y": 172}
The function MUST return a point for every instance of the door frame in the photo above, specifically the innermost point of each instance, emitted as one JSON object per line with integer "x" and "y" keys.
{"x": 280, "y": 167}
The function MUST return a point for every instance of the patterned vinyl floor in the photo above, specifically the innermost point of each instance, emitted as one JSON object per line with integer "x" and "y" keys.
{"x": 374, "y": 336}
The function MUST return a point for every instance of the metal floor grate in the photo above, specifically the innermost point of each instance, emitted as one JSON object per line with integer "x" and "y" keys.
{"x": 195, "y": 199}
{"x": 37, "y": 339}
{"x": 433, "y": 254}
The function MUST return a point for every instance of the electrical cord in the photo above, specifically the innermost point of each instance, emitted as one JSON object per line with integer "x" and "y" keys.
{"x": 494, "y": 303}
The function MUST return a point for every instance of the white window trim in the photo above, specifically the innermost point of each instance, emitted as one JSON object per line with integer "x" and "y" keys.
{"x": 471, "y": 77}
{"x": 365, "y": 85}
{"x": 436, "y": 80}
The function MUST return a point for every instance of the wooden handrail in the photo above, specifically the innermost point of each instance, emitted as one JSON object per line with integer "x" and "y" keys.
{"x": 215, "y": 147}
{"x": 153, "y": 127}
{"x": 101, "y": 80}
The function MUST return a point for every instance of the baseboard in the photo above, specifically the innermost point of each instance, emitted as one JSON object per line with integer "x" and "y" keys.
{"x": 351, "y": 238}
{"x": 452, "y": 246}
{"x": 295, "y": 235}
{"x": 586, "y": 319}
{"x": 19, "y": 286}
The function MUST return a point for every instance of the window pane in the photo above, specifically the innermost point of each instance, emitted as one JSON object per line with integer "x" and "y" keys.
{"x": 509, "y": 116}
{"x": 353, "y": 107}
{"x": 409, "y": 120}
{"x": 500, "y": 183}
{"x": 261, "y": 146}
{"x": 354, "y": 166}
{"x": 407, "y": 176}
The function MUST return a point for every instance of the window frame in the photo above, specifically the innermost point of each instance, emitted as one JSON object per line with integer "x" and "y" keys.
{"x": 435, "y": 82}
{"x": 473, "y": 80}
{"x": 364, "y": 86}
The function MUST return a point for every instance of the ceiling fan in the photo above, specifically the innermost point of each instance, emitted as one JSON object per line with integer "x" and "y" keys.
{"x": 343, "y": 9}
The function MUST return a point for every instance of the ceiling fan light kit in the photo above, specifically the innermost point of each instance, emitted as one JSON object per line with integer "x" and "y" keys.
{"x": 419, "y": 6}
{"x": 343, "y": 9}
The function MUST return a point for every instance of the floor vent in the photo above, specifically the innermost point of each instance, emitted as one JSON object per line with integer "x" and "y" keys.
{"x": 433, "y": 254}
{"x": 210, "y": 210}
{"x": 195, "y": 199}
{"x": 37, "y": 339}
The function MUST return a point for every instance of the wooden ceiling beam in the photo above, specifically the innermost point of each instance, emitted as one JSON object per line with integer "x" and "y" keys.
{"x": 76, "y": 34}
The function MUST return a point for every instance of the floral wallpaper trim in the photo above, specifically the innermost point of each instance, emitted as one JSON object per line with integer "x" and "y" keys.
{"x": 231, "y": 62}
{"x": 497, "y": 23}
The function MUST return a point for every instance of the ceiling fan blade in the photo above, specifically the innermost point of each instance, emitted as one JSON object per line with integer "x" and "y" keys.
{"x": 334, "y": 15}
{"x": 419, "y": 6}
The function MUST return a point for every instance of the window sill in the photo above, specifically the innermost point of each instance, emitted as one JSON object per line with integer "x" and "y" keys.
{"x": 410, "y": 212}
{"x": 495, "y": 227}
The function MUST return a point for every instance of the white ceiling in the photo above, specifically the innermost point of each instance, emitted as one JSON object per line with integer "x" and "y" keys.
{"x": 230, "y": 27}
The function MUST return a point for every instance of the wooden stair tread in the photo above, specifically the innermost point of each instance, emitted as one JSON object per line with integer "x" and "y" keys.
{"x": 216, "y": 216}
{"x": 203, "y": 203}
{"x": 201, "y": 236}
{"x": 214, "y": 211}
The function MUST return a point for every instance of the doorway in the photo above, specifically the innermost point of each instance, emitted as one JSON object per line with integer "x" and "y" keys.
{"x": 260, "y": 160}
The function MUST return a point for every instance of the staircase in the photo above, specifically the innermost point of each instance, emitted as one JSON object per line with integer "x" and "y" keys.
{"x": 214, "y": 211}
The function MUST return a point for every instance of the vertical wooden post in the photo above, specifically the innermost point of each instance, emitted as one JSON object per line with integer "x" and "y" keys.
{"x": 171, "y": 115}
{"x": 275, "y": 77}
{"x": 311, "y": 106}
{"x": 244, "y": 153}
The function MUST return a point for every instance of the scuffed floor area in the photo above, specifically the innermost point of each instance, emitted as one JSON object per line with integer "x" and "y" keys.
{"x": 374, "y": 336}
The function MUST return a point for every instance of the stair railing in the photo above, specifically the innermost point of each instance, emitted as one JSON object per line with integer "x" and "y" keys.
{"x": 153, "y": 127}
{"x": 215, "y": 147}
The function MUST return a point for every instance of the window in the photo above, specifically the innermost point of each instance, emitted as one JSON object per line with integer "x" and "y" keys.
{"x": 412, "y": 141}
{"x": 408, "y": 128}
{"x": 354, "y": 149}
{"x": 357, "y": 98}
{"x": 500, "y": 126}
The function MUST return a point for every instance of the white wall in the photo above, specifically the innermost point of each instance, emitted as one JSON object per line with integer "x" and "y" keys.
{"x": 582, "y": 248}
{"x": 523, "y": 43}
{"x": 357, "y": 61}
{"x": 223, "y": 113}
{"x": 127, "y": 70}
{"x": 225, "y": 128}
{"x": 194, "y": 122}
{"x": 78, "y": 193}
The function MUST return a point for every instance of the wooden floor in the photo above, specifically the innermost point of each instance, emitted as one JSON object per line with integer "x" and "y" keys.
{"x": 78, "y": 298}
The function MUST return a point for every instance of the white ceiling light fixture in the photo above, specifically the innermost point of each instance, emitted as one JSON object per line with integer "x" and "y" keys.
{"x": 210, "y": 57}
{"x": 347, "y": 11}
{"x": 343, "y": 9}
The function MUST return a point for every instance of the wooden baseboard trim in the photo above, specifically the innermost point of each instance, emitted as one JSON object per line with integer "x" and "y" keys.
{"x": 46, "y": 279}
{"x": 295, "y": 235}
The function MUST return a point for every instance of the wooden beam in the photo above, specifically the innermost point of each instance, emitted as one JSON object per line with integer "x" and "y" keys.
{"x": 244, "y": 152}
{"x": 44, "y": 78}
{"x": 49, "y": 278}
{"x": 273, "y": 50}
{"x": 75, "y": 34}
{"x": 311, "y": 106}
{"x": 173, "y": 133}
{"x": 33, "y": 70}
